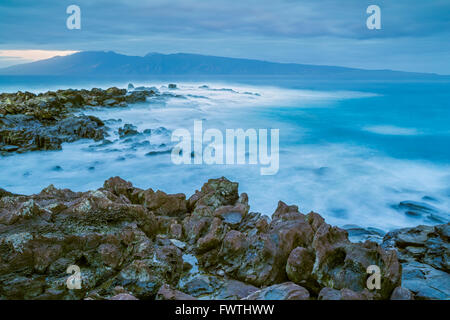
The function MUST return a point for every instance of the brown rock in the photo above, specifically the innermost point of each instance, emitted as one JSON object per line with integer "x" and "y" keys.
{"x": 347, "y": 294}
{"x": 400, "y": 293}
{"x": 214, "y": 193}
{"x": 167, "y": 293}
{"x": 329, "y": 294}
{"x": 234, "y": 290}
{"x": 118, "y": 186}
{"x": 110, "y": 254}
{"x": 176, "y": 230}
{"x": 343, "y": 294}
{"x": 123, "y": 296}
{"x": 234, "y": 242}
{"x": 300, "y": 264}
{"x": 283, "y": 291}
{"x": 165, "y": 204}
{"x": 213, "y": 238}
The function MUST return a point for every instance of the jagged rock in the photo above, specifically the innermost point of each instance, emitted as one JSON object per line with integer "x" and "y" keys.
{"x": 118, "y": 186}
{"x": 233, "y": 290}
{"x": 400, "y": 293}
{"x": 300, "y": 265}
{"x": 426, "y": 282}
{"x": 283, "y": 291}
{"x": 213, "y": 238}
{"x": 163, "y": 204}
{"x": 44, "y": 121}
{"x": 127, "y": 130}
{"x": 145, "y": 277}
{"x": 329, "y": 294}
{"x": 415, "y": 209}
{"x": 213, "y": 194}
{"x": 154, "y": 245}
{"x": 425, "y": 244}
{"x": 266, "y": 254}
{"x": 341, "y": 264}
{"x": 138, "y": 96}
{"x": 167, "y": 293}
{"x": 4, "y": 193}
{"x": 123, "y": 296}
{"x": 176, "y": 230}
{"x": 110, "y": 102}
{"x": 201, "y": 285}
{"x": 343, "y": 294}
{"x": 424, "y": 252}
{"x": 28, "y": 134}
{"x": 359, "y": 234}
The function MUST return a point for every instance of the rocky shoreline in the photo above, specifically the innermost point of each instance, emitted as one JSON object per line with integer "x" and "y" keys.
{"x": 30, "y": 122}
{"x": 143, "y": 244}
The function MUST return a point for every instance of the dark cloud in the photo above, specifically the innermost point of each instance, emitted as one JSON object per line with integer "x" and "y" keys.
{"x": 239, "y": 28}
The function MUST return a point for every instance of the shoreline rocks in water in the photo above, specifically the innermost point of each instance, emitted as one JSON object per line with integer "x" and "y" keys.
{"x": 425, "y": 254}
{"x": 43, "y": 121}
{"x": 145, "y": 244}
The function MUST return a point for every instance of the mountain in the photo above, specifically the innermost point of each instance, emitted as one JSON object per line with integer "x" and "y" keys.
{"x": 100, "y": 63}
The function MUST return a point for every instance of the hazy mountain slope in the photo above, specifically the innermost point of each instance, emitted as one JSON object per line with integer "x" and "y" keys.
{"x": 111, "y": 63}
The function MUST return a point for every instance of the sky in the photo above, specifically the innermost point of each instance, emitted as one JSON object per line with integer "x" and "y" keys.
{"x": 414, "y": 35}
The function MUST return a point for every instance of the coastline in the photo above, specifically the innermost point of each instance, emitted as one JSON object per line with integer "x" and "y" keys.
{"x": 140, "y": 244}
{"x": 134, "y": 243}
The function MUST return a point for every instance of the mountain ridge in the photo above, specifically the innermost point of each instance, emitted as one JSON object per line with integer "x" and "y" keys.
{"x": 100, "y": 63}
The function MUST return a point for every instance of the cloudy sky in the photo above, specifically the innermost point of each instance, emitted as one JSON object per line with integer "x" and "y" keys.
{"x": 415, "y": 34}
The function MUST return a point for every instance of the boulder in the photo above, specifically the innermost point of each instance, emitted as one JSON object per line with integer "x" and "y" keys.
{"x": 123, "y": 296}
{"x": 213, "y": 194}
{"x": 233, "y": 290}
{"x": 343, "y": 294}
{"x": 299, "y": 266}
{"x": 341, "y": 264}
{"x": 426, "y": 282}
{"x": 127, "y": 130}
{"x": 146, "y": 244}
{"x": 400, "y": 293}
{"x": 166, "y": 292}
{"x": 283, "y": 291}
{"x": 425, "y": 244}
{"x": 162, "y": 203}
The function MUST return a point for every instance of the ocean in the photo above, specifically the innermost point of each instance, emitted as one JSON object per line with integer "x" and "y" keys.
{"x": 367, "y": 153}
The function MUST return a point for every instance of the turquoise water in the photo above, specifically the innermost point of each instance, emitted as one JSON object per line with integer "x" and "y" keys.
{"x": 348, "y": 150}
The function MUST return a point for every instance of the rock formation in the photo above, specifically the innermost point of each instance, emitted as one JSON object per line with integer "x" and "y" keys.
{"x": 30, "y": 122}
{"x": 145, "y": 244}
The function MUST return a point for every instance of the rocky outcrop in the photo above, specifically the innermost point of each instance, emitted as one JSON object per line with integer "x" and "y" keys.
{"x": 400, "y": 293}
{"x": 19, "y": 133}
{"x": 344, "y": 294}
{"x": 145, "y": 244}
{"x": 424, "y": 252}
{"x": 44, "y": 121}
{"x": 283, "y": 291}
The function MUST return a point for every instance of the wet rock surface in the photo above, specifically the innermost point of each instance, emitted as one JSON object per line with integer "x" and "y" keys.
{"x": 133, "y": 243}
{"x": 423, "y": 210}
{"x": 43, "y": 121}
{"x": 424, "y": 252}
{"x": 20, "y": 133}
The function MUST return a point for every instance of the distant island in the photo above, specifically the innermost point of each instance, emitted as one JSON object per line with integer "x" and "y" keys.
{"x": 101, "y": 63}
